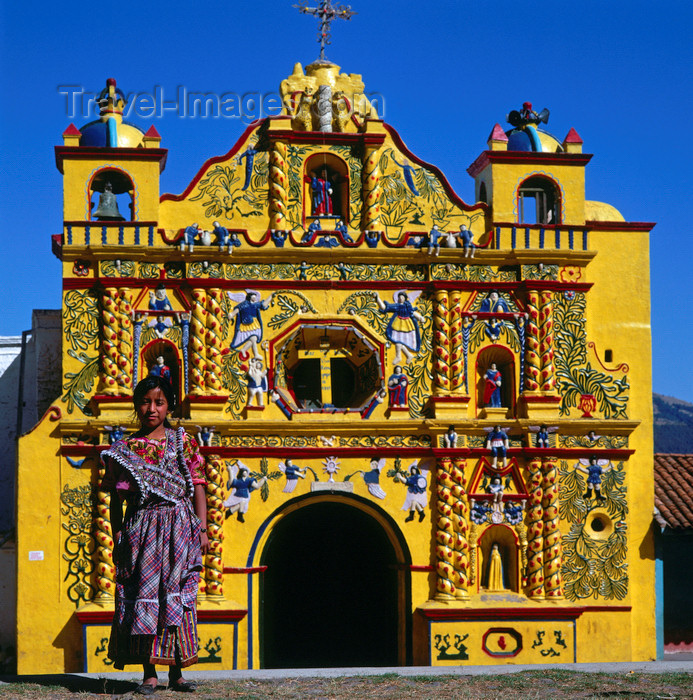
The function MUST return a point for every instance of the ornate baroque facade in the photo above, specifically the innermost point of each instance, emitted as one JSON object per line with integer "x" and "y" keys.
{"x": 450, "y": 443}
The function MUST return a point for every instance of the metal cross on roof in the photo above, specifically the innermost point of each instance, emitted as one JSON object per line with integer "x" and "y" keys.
{"x": 326, "y": 12}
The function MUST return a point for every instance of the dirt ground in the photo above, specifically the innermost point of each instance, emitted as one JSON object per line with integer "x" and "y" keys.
{"x": 541, "y": 685}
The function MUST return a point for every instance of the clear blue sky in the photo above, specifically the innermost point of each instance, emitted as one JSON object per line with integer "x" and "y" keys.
{"x": 618, "y": 72}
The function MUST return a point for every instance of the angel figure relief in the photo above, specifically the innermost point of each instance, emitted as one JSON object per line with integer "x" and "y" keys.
{"x": 248, "y": 331}
{"x": 403, "y": 328}
{"x": 240, "y": 485}
{"x": 594, "y": 468}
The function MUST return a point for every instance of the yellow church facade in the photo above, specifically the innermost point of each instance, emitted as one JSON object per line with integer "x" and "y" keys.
{"x": 427, "y": 424}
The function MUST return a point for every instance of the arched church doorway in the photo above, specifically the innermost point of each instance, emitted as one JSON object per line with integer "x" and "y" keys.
{"x": 333, "y": 594}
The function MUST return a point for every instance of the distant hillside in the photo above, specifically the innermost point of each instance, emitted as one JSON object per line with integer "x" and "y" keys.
{"x": 673, "y": 425}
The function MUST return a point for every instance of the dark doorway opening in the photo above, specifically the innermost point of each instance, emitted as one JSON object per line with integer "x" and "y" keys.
{"x": 329, "y": 596}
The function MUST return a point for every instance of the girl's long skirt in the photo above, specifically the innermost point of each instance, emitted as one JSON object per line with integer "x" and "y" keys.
{"x": 158, "y": 560}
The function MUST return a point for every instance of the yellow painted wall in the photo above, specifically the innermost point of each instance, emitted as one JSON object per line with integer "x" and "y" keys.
{"x": 102, "y": 301}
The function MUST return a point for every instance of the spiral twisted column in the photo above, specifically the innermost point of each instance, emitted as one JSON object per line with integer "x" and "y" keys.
{"x": 371, "y": 189}
{"x": 548, "y": 370}
{"x": 125, "y": 342}
{"x": 532, "y": 355}
{"x": 109, "y": 342}
{"x": 213, "y": 342}
{"x": 198, "y": 328}
{"x": 553, "y": 550}
{"x": 473, "y": 539}
{"x": 324, "y": 108}
{"x": 460, "y": 510}
{"x": 105, "y": 571}
{"x": 456, "y": 344}
{"x": 535, "y": 533}
{"x": 441, "y": 343}
{"x": 213, "y": 566}
{"x": 278, "y": 183}
{"x": 445, "y": 532}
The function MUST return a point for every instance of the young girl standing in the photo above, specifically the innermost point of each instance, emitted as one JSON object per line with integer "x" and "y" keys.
{"x": 159, "y": 544}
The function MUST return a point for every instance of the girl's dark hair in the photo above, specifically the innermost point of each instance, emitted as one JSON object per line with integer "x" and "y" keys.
{"x": 154, "y": 382}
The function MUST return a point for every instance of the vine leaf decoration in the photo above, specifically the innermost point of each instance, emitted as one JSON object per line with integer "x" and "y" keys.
{"x": 288, "y": 308}
{"x": 80, "y": 383}
{"x": 81, "y": 319}
{"x": 364, "y": 305}
{"x": 478, "y": 337}
{"x": 234, "y": 381}
{"x": 294, "y": 158}
{"x": 591, "y": 567}
{"x": 173, "y": 334}
{"x": 575, "y": 375}
{"x": 271, "y": 476}
{"x": 109, "y": 268}
{"x": 149, "y": 270}
{"x": 79, "y": 543}
{"x": 223, "y": 193}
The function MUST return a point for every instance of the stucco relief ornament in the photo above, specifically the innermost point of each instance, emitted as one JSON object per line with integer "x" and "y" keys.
{"x": 330, "y": 467}
{"x": 292, "y": 474}
{"x": 205, "y": 434}
{"x": 247, "y": 312}
{"x": 403, "y": 328}
{"x": 417, "y": 486}
{"x": 594, "y": 468}
{"x": 241, "y": 483}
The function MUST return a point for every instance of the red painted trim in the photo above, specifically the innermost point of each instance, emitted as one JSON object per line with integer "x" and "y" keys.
{"x": 221, "y": 615}
{"x": 105, "y": 617}
{"x": 327, "y": 138}
{"x": 104, "y": 398}
{"x": 245, "y": 569}
{"x": 466, "y": 614}
{"x": 57, "y": 245}
{"x": 94, "y": 617}
{"x": 82, "y": 450}
{"x": 209, "y": 162}
{"x": 527, "y": 157}
{"x": 633, "y": 226}
{"x": 434, "y": 169}
{"x": 207, "y": 399}
{"x": 420, "y": 568}
{"x": 106, "y": 154}
{"x": 304, "y": 452}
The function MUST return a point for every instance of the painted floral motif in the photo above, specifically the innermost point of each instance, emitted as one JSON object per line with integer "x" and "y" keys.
{"x": 571, "y": 273}
{"x": 593, "y": 567}
{"x": 118, "y": 268}
{"x": 212, "y": 270}
{"x": 148, "y": 271}
{"x": 413, "y": 195}
{"x": 268, "y": 441}
{"x": 288, "y": 308}
{"x": 419, "y": 373}
{"x": 81, "y": 319}
{"x": 78, "y": 385}
{"x": 540, "y": 272}
{"x": 576, "y": 376}
{"x": 79, "y": 544}
{"x": 223, "y": 192}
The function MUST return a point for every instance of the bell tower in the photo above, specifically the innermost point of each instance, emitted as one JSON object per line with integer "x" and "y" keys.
{"x": 111, "y": 175}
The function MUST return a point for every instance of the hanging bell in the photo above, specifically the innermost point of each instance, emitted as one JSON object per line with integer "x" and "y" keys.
{"x": 107, "y": 210}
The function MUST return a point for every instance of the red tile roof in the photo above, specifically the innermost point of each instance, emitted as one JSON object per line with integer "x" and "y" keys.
{"x": 674, "y": 489}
